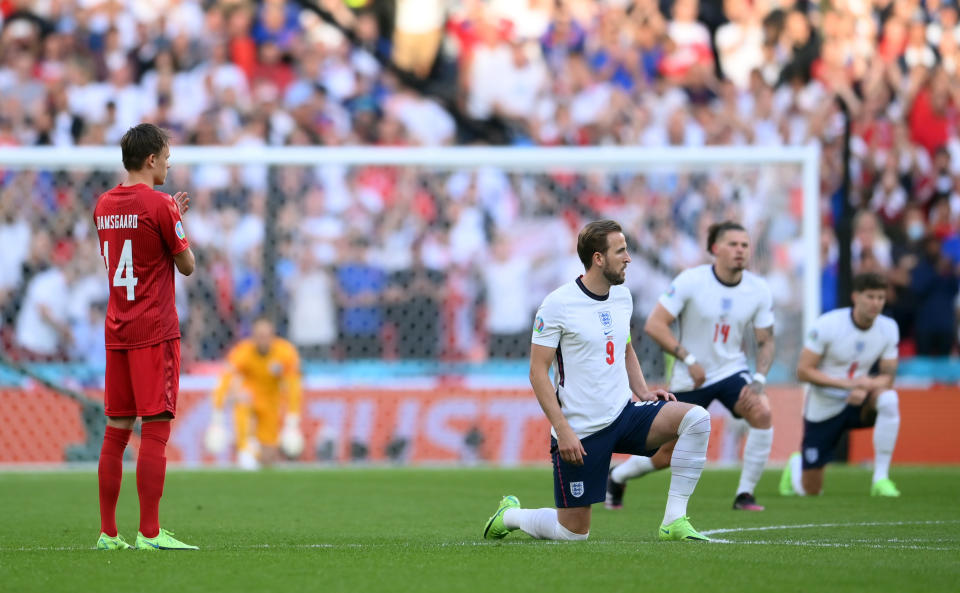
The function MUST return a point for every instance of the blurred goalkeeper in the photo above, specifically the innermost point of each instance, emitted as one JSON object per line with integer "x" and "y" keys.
{"x": 262, "y": 380}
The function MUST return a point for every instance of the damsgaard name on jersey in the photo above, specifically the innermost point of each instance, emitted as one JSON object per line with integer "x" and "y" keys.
{"x": 117, "y": 221}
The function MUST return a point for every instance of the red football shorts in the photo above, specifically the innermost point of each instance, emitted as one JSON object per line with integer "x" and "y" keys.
{"x": 143, "y": 381}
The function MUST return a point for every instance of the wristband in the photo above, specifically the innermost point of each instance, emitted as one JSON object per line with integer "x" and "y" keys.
{"x": 690, "y": 360}
{"x": 760, "y": 378}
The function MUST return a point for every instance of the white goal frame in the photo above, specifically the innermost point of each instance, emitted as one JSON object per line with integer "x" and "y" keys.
{"x": 633, "y": 158}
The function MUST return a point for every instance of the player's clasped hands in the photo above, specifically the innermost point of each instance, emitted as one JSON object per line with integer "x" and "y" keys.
{"x": 183, "y": 201}
{"x": 657, "y": 394}
{"x": 569, "y": 446}
{"x": 856, "y": 396}
{"x": 867, "y": 383}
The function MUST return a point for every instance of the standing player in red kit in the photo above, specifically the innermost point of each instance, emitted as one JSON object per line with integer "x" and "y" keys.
{"x": 141, "y": 240}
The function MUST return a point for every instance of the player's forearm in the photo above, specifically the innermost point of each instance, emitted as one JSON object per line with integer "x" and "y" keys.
{"x": 765, "y": 352}
{"x": 638, "y": 384}
{"x": 882, "y": 381}
{"x": 547, "y": 398}
{"x": 821, "y": 379}
{"x": 185, "y": 261}
{"x": 661, "y": 334}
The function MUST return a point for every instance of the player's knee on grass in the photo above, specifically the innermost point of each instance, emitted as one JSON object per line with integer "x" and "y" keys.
{"x": 812, "y": 481}
{"x": 574, "y": 523}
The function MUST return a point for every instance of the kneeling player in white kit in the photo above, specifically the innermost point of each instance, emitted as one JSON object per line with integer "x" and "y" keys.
{"x": 584, "y": 327}
{"x": 837, "y": 356}
{"x": 715, "y": 305}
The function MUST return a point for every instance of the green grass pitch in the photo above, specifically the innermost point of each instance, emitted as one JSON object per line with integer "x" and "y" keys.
{"x": 419, "y": 530}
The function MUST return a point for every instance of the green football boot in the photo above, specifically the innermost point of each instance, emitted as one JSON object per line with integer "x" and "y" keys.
{"x": 786, "y": 478}
{"x": 681, "y": 530}
{"x": 884, "y": 487}
{"x": 112, "y": 543}
{"x": 163, "y": 541}
{"x": 495, "y": 529}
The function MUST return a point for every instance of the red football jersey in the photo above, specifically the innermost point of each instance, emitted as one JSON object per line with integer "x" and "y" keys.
{"x": 140, "y": 231}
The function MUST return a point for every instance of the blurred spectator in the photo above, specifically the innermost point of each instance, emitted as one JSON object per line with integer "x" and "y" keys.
{"x": 89, "y": 344}
{"x": 313, "y": 322}
{"x": 740, "y": 41}
{"x": 413, "y": 298}
{"x": 906, "y": 256}
{"x": 934, "y": 283}
{"x": 359, "y": 290}
{"x": 509, "y": 313}
{"x": 43, "y": 331}
{"x": 870, "y": 246}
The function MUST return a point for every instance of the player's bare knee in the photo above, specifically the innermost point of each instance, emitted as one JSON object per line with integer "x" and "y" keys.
{"x": 760, "y": 415}
{"x": 161, "y": 417}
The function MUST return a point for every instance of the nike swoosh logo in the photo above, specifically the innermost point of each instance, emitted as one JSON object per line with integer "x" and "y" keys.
{"x": 608, "y": 333}
{"x": 665, "y": 531}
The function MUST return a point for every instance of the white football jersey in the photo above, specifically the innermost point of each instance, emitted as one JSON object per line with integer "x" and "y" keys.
{"x": 847, "y": 352}
{"x": 713, "y": 319}
{"x": 590, "y": 334}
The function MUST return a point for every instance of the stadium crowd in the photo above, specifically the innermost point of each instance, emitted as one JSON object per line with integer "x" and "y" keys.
{"x": 406, "y": 263}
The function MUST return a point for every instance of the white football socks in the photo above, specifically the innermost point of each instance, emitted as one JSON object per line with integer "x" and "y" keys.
{"x": 540, "y": 524}
{"x": 755, "y": 454}
{"x": 689, "y": 457}
{"x": 634, "y": 467}
{"x": 796, "y": 474}
{"x": 885, "y": 433}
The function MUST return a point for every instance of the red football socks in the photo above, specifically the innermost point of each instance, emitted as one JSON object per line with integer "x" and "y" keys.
{"x": 151, "y": 469}
{"x": 110, "y": 474}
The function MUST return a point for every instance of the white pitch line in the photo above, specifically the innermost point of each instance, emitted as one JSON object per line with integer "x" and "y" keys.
{"x": 888, "y": 544}
{"x": 812, "y": 525}
{"x": 818, "y": 544}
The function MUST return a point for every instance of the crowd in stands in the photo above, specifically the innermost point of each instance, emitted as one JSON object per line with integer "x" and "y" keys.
{"x": 407, "y": 263}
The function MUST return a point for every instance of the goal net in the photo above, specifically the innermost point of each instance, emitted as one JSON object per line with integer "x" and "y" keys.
{"x": 406, "y": 278}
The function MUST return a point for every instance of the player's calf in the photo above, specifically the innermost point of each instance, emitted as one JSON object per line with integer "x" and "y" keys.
{"x": 689, "y": 457}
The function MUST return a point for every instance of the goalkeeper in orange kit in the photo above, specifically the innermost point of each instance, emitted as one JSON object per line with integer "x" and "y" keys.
{"x": 262, "y": 379}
